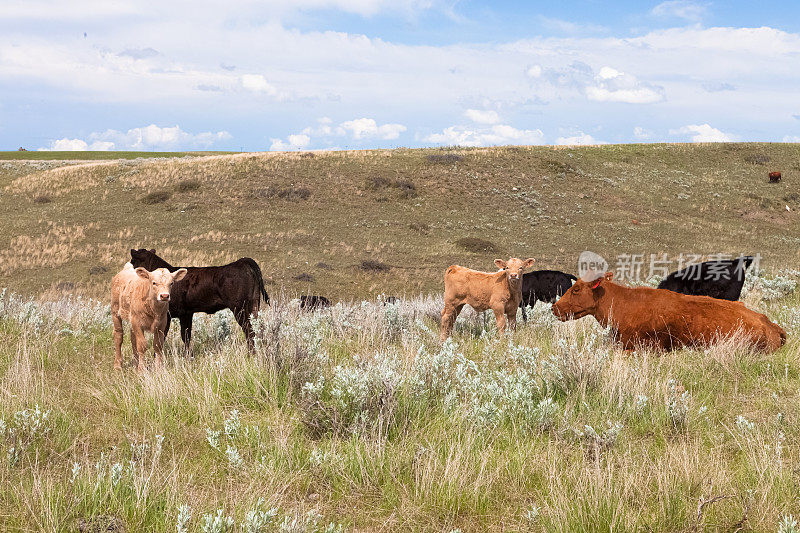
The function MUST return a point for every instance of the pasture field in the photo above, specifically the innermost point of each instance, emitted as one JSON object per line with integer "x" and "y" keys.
{"x": 350, "y": 225}
{"x": 357, "y": 418}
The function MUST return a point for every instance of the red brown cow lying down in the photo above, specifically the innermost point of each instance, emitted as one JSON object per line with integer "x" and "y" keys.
{"x": 499, "y": 291}
{"x": 141, "y": 298}
{"x": 664, "y": 319}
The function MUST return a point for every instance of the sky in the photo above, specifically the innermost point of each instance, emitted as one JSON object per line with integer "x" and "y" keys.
{"x": 350, "y": 74}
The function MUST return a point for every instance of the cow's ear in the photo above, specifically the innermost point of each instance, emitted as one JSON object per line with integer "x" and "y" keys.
{"x": 500, "y": 263}
{"x": 152, "y": 251}
{"x": 179, "y": 274}
{"x": 143, "y": 273}
{"x": 608, "y": 276}
{"x": 529, "y": 262}
{"x": 133, "y": 252}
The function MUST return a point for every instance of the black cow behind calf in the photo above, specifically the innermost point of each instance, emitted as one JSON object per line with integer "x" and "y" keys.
{"x": 545, "y": 286}
{"x": 237, "y": 286}
{"x": 718, "y": 279}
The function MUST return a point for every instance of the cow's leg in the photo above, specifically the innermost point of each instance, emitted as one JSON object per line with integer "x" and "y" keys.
{"x": 500, "y": 316}
{"x": 119, "y": 333}
{"x": 158, "y": 346}
{"x": 523, "y": 305}
{"x": 243, "y": 318}
{"x": 449, "y": 315}
{"x": 137, "y": 357}
{"x": 186, "y": 333}
{"x": 512, "y": 319}
{"x": 139, "y": 343}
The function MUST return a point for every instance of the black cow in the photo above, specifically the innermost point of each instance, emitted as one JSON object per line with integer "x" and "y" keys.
{"x": 313, "y": 301}
{"x": 545, "y": 286}
{"x": 237, "y": 286}
{"x": 718, "y": 279}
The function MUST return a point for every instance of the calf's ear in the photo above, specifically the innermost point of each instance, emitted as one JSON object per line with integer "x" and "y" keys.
{"x": 179, "y": 274}
{"x": 143, "y": 273}
{"x": 529, "y": 262}
{"x": 500, "y": 263}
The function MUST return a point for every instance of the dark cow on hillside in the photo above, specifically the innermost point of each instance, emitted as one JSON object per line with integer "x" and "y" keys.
{"x": 310, "y": 302}
{"x": 545, "y": 286}
{"x": 666, "y": 320}
{"x": 774, "y": 177}
{"x": 237, "y": 286}
{"x": 719, "y": 279}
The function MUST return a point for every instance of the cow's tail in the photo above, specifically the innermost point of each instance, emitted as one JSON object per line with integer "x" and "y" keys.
{"x": 259, "y": 278}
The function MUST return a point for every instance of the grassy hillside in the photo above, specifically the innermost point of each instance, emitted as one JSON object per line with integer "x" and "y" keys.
{"x": 353, "y": 224}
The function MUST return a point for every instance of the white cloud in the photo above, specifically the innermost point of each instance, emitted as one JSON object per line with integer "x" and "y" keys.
{"x": 78, "y": 145}
{"x": 297, "y": 141}
{"x": 579, "y": 138}
{"x": 684, "y": 9}
{"x": 150, "y": 137}
{"x": 299, "y": 74}
{"x": 703, "y": 133}
{"x": 324, "y": 133}
{"x": 607, "y": 73}
{"x": 534, "y": 71}
{"x": 362, "y": 128}
{"x": 486, "y": 116}
{"x": 642, "y": 134}
{"x": 791, "y": 139}
{"x": 612, "y": 85}
{"x": 607, "y": 84}
{"x": 258, "y": 84}
{"x": 497, "y": 135}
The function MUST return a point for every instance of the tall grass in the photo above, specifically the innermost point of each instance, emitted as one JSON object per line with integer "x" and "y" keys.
{"x": 356, "y": 417}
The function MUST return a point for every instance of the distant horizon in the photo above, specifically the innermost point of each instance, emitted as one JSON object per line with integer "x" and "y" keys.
{"x": 443, "y": 147}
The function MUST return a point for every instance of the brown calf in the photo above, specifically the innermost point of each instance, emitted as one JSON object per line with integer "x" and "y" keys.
{"x": 141, "y": 298}
{"x": 663, "y": 319}
{"x": 499, "y": 291}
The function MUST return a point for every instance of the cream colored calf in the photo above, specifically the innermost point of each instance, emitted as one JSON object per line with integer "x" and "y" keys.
{"x": 141, "y": 298}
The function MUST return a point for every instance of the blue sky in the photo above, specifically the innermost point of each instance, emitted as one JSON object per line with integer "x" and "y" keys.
{"x": 334, "y": 74}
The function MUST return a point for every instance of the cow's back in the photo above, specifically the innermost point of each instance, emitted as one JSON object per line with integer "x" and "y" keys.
{"x": 127, "y": 292}
{"x": 676, "y": 319}
{"x": 213, "y": 288}
{"x": 464, "y": 285}
{"x": 545, "y": 285}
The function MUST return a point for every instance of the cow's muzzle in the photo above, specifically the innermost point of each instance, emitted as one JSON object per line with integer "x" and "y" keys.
{"x": 164, "y": 297}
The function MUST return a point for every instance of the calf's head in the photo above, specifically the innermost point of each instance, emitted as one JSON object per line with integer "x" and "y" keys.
{"x": 582, "y": 298}
{"x": 514, "y": 267}
{"x": 161, "y": 281}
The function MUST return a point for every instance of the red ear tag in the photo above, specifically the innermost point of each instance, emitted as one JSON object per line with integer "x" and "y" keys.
{"x": 596, "y": 284}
